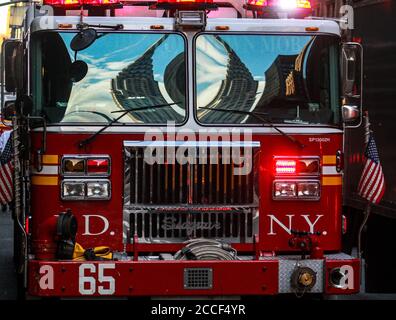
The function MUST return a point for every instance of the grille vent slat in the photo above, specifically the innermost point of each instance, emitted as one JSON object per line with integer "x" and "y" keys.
{"x": 194, "y": 184}
{"x": 177, "y": 226}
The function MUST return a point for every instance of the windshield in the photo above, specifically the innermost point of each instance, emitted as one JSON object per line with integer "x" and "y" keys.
{"x": 125, "y": 71}
{"x": 287, "y": 78}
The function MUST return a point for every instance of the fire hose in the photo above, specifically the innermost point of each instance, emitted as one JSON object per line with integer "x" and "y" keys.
{"x": 205, "y": 249}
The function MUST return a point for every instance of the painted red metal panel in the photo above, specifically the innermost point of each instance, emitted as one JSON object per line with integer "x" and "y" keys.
{"x": 152, "y": 278}
{"x": 354, "y": 285}
{"x": 272, "y": 236}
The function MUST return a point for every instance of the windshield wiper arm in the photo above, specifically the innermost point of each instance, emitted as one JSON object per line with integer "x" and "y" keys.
{"x": 100, "y": 26}
{"x": 84, "y": 142}
{"x": 259, "y": 116}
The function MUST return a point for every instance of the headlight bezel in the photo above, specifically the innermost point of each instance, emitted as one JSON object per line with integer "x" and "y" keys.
{"x": 297, "y": 182}
{"x": 85, "y": 183}
{"x": 84, "y": 159}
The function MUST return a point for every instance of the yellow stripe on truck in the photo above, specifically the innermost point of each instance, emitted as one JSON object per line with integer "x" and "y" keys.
{"x": 44, "y": 181}
{"x": 50, "y": 159}
{"x": 332, "y": 181}
{"x": 329, "y": 160}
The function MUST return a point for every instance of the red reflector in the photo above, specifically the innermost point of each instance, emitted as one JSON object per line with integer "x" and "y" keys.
{"x": 27, "y": 225}
{"x": 98, "y": 165}
{"x": 285, "y": 166}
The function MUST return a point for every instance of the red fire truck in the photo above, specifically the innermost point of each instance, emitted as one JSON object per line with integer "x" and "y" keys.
{"x": 181, "y": 148}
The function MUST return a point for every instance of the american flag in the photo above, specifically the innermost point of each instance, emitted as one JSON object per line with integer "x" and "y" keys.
{"x": 372, "y": 183}
{"x": 6, "y": 173}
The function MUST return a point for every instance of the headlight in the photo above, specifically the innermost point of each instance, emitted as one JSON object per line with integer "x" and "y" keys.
{"x": 73, "y": 190}
{"x": 284, "y": 189}
{"x": 98, "y": 190}
{"x": 86, "y": 189}
{"x": 296, "y": 190}
{"x": 308, "y": 190}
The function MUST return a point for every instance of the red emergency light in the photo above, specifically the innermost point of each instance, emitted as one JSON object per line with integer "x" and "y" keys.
{"x": 282, "y": 4}
{"x": 78, "y": 3}
{"x": 98, "y": 166}
{"x": 285, "y": 166}
{"x": 184, "y": 5}
{"x": 184, "y": 1}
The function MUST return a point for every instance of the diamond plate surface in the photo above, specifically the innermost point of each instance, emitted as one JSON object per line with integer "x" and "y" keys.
{"x": 286, "y": 268}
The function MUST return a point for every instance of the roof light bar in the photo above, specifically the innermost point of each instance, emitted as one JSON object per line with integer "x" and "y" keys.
{"x": 282, "y": 4}
{"x": 78, "y": 3}
{"x": 184, "y": 5}
{"x": 272, "y": 8}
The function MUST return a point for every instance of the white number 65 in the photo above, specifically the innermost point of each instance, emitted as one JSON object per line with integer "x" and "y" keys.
{"x": 87, "y": 284}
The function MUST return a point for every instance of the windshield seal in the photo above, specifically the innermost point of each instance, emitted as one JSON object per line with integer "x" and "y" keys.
{"x": 255, "y": 125}
{"x": 101, "y": 124}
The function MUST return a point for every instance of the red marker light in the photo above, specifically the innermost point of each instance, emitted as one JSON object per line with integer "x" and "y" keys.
{"x": 96, "y": 166}
{"x": 285, "y": 166}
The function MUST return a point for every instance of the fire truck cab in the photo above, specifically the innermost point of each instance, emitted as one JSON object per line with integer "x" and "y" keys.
{"x": 181, "y": 148}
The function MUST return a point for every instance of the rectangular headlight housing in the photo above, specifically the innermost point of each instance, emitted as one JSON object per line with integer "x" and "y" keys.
{"x": 73, "y": 190}
{"x": 86, "y": 189}
{"x": 285, "y": 189}
{"x": 296, "y": 190}
{"x": 308, "y": 190}
{"x": 98, "y": 190}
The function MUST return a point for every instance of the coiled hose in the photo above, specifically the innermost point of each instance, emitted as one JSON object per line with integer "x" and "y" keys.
{"x": 206, "y": 249}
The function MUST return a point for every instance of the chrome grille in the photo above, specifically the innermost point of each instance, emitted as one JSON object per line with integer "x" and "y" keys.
{"x": 192, "y": 183}
{"x": 173, "y": 202}
{"x": 156, "y": 225}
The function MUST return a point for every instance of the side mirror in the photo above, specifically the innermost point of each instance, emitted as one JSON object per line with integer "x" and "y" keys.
{"x": 352, "y": 80}
{"x": 350, "y": 113}
{"x": 13, "y": 65}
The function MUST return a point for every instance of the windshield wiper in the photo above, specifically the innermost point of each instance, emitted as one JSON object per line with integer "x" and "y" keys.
{"x": 100, "y": 26}
{"x": 88, "y": 140}
{"x": 259, "y": 116}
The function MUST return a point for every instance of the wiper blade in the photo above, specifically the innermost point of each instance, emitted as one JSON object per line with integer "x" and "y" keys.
{"x": 100, "y": 26}
{"x": 86, "y": 141}
{"x": 259, "y": 116}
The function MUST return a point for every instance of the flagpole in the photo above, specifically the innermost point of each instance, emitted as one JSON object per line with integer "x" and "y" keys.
{"x": 367, "y": 212}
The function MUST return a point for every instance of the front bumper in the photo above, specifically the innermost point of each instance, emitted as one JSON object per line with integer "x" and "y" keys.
{"x": 267, "y": 276}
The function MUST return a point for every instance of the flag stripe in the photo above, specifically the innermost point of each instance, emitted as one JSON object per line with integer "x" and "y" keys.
{"x": 7, "y": 179}
{"x": 8, "y": 174}
{"x": 378, "y": 188}
{"x": 366, "y": 179}
{"x": 373, "y": 176}
{"x": 366, "y": 166}
{"x": 3, "y": 186}
{"x": 375, "y": 186}
{"x": 6, "y": 170}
